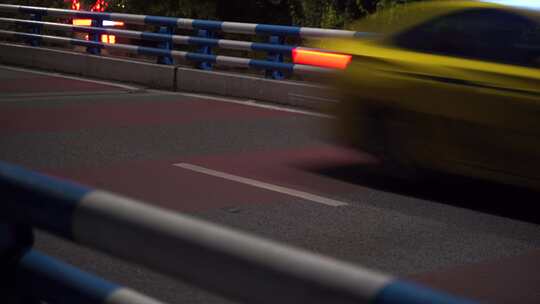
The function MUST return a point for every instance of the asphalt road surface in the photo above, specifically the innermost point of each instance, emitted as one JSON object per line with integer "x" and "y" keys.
{"x": 271, "y": 171}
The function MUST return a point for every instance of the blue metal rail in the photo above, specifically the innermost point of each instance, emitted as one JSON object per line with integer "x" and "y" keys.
{"x": 53, "y": 281}
{"x": 177, "y": 39}
{"x": 181, "y": 55}
{"x": 275, "y": 66}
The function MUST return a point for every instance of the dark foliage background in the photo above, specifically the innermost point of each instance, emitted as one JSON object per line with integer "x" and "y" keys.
{"x": 316, "y": 13}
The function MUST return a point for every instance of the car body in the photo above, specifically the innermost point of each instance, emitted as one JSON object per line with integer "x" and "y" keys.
{"x": 448, "y": 85}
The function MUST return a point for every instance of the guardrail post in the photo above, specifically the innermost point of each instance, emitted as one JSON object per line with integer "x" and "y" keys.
{"x": 275, "y": 57}
{"x": 205, "y": 49}
{"x": 168, "y": 60}
{"x": 35, "y": 29}
{"x": 15, "y": 241}
{"x": 95, "y": 50}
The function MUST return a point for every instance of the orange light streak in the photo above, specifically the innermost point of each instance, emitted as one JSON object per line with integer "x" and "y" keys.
{"x": 321, "y": 59}
{"x": 110, "y": 39}
{"x": 82, "y": 22}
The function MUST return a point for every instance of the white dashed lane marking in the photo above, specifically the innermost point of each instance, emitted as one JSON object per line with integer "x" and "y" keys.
{"x": 263, "y": 185}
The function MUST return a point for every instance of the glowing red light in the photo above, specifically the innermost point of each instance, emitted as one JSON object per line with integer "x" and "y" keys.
{"x": 76, "y": 5}
{"x": 321, "y": 59}
{"x": 98, "y": 6}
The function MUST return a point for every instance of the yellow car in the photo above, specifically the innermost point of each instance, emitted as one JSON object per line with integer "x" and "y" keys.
{"x": 448, "y": 85}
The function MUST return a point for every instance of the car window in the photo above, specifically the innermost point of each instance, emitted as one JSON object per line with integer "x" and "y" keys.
{"x": 485, "y": 34}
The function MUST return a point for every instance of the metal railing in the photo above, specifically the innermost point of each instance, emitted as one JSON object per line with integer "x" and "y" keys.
{"x": 205, "y": 37}
{"x": 229, "y": 262}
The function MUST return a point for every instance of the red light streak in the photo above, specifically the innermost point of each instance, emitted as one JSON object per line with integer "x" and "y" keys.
{"x": 321, "y": 59}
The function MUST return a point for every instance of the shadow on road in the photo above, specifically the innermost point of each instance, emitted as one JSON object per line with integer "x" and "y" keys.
{"x": 484, "y": 196}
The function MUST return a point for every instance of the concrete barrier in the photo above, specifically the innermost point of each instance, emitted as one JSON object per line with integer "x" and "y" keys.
{"x": 295, "y": 93}
{"x": 184, "y": 79}
{"x": 82, "y": 64}
{"x": 147, "y": 74}
{"x": 42, "y": 58}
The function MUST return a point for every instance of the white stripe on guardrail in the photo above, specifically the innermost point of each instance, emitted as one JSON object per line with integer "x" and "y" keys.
{"x": 240, "y": 28}
{"x": 129, "y": 296}
{"x": 210, "y": 254}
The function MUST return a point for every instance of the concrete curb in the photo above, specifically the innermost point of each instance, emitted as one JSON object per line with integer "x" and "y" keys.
{"x": 150, "y": 75}
{"x": 294, "y": 93}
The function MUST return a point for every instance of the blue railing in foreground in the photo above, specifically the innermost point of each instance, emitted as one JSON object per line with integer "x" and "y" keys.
{"x": 235, "y": 264}
{"x": 57, "y": 282}
{"x": 204, "y": 37}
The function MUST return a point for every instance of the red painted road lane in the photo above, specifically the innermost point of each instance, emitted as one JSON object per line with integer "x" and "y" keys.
{"x": 28, "y": 83}
{"x": 161, "y": 183}
{"x": 174, "y": 188}
{"x": 509, "y": 280}
{"x": 291, "y": 168}
{"x": 104, "y": 114}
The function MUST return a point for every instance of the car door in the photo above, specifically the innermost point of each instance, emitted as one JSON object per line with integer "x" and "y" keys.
{"x": 474, "y": 81}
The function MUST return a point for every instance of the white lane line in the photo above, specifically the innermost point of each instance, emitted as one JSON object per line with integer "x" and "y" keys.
{"x": 52, "y": 74}
{"x": 308, "y": 97}
{"x": 263, "y": 185}
{"x": 253, "y": 103}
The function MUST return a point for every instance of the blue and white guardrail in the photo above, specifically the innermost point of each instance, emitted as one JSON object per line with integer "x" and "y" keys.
{"x": 177, "y": 39}
{"x": 233, "y": 263}
{"x": 181, "y": 55}
{"x": 183, "y": 23}
{"x": 275, "y": 65}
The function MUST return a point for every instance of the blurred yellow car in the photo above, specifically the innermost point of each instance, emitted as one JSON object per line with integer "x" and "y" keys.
{"x": 448, "y": 85}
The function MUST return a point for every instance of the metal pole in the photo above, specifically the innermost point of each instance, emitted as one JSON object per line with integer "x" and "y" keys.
{"x": 53, "y": 281}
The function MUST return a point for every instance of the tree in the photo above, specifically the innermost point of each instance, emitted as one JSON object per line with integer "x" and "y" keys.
{"x": 201, "y": 9}
{"x": 316, "y": 13}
